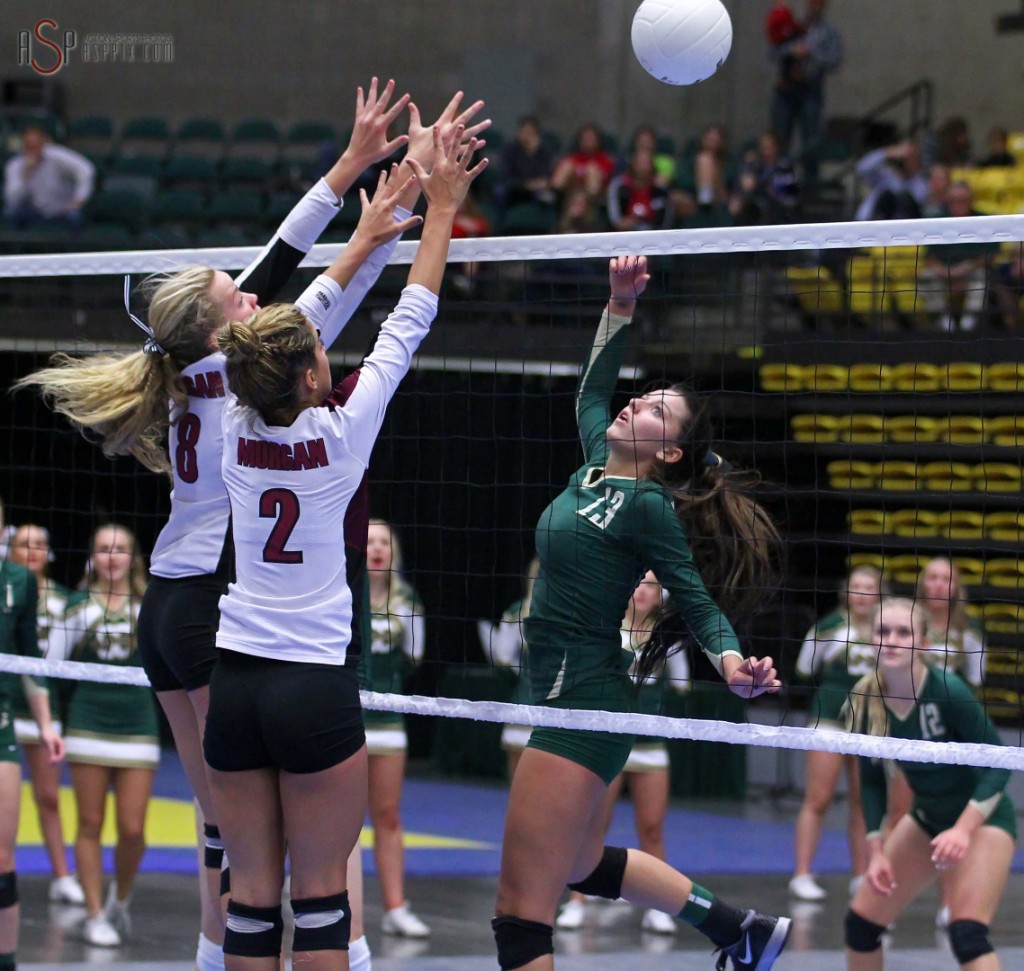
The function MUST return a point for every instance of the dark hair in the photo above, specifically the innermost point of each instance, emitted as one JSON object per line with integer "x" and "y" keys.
{"x": 734, "y": 542}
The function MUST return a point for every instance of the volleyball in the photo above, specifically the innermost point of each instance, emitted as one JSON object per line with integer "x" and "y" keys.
{"x": 681, "y": 41}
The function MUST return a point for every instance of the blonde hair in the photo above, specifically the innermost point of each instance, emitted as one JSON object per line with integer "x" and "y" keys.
{"x": 138, "y": 574}
{"x": 123, "y": 398}
{"x": 398, "y": 586}
{"x": 266, "y": 356}
{"x": 865, "y": 708}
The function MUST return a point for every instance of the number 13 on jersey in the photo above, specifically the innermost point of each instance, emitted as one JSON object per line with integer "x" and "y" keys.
{"x": 602, "y": 510}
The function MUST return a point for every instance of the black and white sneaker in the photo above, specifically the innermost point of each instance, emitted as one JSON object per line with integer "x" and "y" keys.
{"x": 762, "y": 939}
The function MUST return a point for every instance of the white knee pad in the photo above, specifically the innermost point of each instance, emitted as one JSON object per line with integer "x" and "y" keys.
{"x": 359, "y": 957}
{"x": 209, "y": 956}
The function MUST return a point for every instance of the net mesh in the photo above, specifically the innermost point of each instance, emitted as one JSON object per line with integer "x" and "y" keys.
{"x": 882, "y": 438}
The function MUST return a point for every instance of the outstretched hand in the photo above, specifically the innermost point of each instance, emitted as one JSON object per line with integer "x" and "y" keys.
{"x": 450, "y": 175}
{"x": 627, "y": 277}
{"x": 377, "y": 223}
{"x": 752, "y": 677}
{"x": 369, "y": 140}
{"x": 421, "y": 139}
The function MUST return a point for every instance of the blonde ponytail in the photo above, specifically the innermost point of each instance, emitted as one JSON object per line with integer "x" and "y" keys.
{"x": 123, "y": 398}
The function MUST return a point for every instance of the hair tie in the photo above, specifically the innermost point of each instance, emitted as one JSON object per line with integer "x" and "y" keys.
{"x": 713, "y": 460}
{"x": 151, "y": 346}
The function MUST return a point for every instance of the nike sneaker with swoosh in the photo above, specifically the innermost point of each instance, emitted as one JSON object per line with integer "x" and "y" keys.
{"x": 762, "y": 939}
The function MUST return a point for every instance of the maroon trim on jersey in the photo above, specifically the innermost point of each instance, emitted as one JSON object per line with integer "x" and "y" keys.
{"x": 357, "y": 517}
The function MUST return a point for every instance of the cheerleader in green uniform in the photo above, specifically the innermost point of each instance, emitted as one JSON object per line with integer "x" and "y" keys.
{"x": 396, "y": 648}
{"x": 836, "y": 653}
{"x": 112, "y": 735}
{"x": 30, "y": 546}
{"x": 647, "y": 470}
{"x": 961, "y": 824}
{"x": 956, "y": 643}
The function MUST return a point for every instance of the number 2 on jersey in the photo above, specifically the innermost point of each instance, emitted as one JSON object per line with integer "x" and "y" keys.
{"x": 284, "y": 505}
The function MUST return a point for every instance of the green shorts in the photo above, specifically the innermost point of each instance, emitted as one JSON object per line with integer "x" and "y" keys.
{"x": 604, "y": 753}
{"x": 1004, "y": 817}
{"x": 8, "y": 741}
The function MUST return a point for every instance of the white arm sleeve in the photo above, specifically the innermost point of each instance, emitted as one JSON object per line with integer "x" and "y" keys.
{"x": 309, "y": 218}
{"x": 416, "y": 642}
{"x": 806, "y": 662}
{"x": 677, "y": 669}
{"x": 64, "y": 635}
{"x": 507, "y": 643}
{"x": 380, "y": 374}
{"x": 974, "y": 649}
{"x": 322, "y": 301}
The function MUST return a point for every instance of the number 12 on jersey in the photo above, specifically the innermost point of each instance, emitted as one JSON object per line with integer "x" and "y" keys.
{"x": 611, "y": 503}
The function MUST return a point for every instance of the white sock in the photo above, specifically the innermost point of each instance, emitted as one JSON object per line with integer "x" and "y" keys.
{"x": 359, "y": 957}
{"x": 209, "y": 956}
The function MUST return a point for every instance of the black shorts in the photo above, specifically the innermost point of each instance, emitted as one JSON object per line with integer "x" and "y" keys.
{"x": 281, "y": 714}
{"x": 178, "y": 630}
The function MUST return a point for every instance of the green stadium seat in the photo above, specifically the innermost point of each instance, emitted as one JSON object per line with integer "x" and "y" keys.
{"x": 110, "y": 208}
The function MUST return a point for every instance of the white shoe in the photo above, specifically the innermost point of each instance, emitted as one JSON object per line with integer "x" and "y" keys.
{"x": 570, "y": 917}
{"x": 658, "y": 922}
{"x": 805, "y": 887}
{"x": 942, "y": 918}
{"x": 403, "y": 922}
{"x": 66, "y": 890}
{"x": 99, "y": 932}
{"x": 855, "y": 883}
{"x": 116, "y": 912}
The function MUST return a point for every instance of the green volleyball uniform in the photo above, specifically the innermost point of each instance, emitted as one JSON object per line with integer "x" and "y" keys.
{"x": 52, "y": 606}
{"x": 396, "y": 647}
{"x": 946, "y": 711}
{"x": 18, "y": 599}
{"x": 595, "y": 542}
{"x": 835, "y": 655}
{"x": 108, "y": 724}
{"x": 959, "y": 649}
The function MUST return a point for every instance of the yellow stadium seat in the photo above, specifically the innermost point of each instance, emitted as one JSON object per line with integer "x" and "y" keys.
{"x": 1003, "y": 661}
{"x": 1005, "y": 573}
{"x": 1005, "y": 376}
{"x": 816, "y": 290}
{"x": 829, "y": 377}
{"x": 960, "y": 524}
{"x": 870, "y": 377}
{"x": 867, "y": 522}
{"x": 1005, "y": 430}
{"x": 962, "y": 430}
{"x": 911, "y": 429}
{"x": 1015, "y": 144}
{"x": 1005, "y": 526}
{"x": 861, "y": 428}
{"x": 1004, "y": 618}
{"x": 905, "y": 567}
{"x": 947, "y": 476}
{"x": 997, "y": 477}
{"x": 876, "y": 560}
{"x": 916, "y": 377}
{"x": 972, "y": 570}
{"x": 1001, "y": 702}
{"x": 814, "y": 428}
{"x": 915, "y": 523}
{"x": 783, "y": 377}
{"x": 964, "y": 376}
{"x": 897, "y": 476}
{"x": 844, "y": 474}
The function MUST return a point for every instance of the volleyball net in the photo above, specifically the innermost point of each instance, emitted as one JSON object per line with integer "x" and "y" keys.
{"x": 872, "y": 384}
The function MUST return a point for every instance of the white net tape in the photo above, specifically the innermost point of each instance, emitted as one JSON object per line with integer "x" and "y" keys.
{"x": 703, "y": 730}
{"x": 679, "y": 242}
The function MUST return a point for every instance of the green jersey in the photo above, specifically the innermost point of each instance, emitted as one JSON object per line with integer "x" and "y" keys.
{"x": 837, "y": 656}
{"x": 18, "y": 598}
{"x": 53, "y": 605}
{"x": 595, "y": 542}
{"x": 946, "y": 711}
{"x": 396, "y": 646}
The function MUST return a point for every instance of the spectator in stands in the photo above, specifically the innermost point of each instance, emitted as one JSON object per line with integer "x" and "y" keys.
{"x": 588, "y": 166}
{"x": 767, "y": 189}
{"x": 999, "y": 155}
{"x": 709, "y": 169}
{"x": 799, "y": 94}
{"x": 955, "y": 643}
{"x": 636, "y": 200}
{"x": 933, "y": 205}
{"x": 1008, "y": 287}
{"x": 681, "y": 202}
{"x": 953, "y": 278}
{"x": 953, "y": 143}
{"x": 580, "y": 214}
{"x": 526, "y": 167}
{"x": 46, "y": 184}
{"x": 897, "y": 182}
{"x": 470, "y": 223}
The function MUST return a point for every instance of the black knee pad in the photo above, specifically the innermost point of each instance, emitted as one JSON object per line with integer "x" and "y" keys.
{"x": 253, "y": 932}
{"x": 521, "y": 941}
{"x": 862, "y": 935}
{"x": 8, "y": 890}
{"x": 606, "y": 880}
{"x": 322, "y": 923}
{"x": 969, "y": 940}
{"x": 213, "y": 849}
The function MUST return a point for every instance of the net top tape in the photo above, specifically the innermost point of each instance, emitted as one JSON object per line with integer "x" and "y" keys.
{"x": 697, "y": 729}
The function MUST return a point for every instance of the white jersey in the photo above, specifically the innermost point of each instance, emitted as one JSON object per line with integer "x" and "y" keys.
{"x": 192, "y": 541}
{"x": 290, "y": 488}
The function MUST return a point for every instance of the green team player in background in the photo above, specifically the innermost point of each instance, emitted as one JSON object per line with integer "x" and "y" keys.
{"x": 645, "y": 473}
{"x": 961, "y": 822}
{"x": 18, "y": 600}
